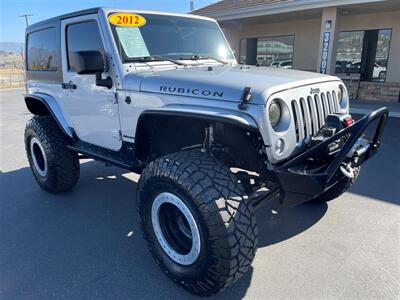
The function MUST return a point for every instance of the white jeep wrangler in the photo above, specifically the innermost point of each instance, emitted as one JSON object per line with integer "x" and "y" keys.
{"x": 162, "y": 95}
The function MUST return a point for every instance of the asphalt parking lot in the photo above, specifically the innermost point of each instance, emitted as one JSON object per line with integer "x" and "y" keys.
{"x": 86, "y": 244}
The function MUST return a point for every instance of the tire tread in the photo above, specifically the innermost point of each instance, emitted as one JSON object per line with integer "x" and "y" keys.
{"x": 63, "y": 164}
{"x": 229, "y": 217}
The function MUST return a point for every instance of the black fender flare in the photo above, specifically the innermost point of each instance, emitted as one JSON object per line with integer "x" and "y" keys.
{"x": 211, "y": 114}
{"x": 42, "y": 104}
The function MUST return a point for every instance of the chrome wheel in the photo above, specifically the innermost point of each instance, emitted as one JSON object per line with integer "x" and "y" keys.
{"x": 175, "y": 228}
{"x": 38, "y": 157}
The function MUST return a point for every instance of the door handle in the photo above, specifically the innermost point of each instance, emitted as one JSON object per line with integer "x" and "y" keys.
{"x": 68, "y": 86}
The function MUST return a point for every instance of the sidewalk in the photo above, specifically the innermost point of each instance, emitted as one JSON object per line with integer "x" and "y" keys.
{"x": 365, "y": 107}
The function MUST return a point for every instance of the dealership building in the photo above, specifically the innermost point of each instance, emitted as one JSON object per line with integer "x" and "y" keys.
{"x": 357, "y": 40}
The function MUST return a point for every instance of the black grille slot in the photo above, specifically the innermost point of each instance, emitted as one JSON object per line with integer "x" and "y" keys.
{"x": 310, "y": 109}
{"x": 319, "y": 112}
{"x": 331, "y": 101}
{"x": 296, "y": 120}
{"x": 324, "y": 106}
{"x": 305, "y": 117}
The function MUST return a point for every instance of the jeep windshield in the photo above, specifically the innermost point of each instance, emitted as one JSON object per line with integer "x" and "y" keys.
{"x": 171, "y": 38}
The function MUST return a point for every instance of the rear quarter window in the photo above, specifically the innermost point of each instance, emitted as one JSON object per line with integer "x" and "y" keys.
{"x": 42, "y": 50}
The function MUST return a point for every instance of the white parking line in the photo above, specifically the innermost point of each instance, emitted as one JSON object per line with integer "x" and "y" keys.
{"x": 367, "y": 111}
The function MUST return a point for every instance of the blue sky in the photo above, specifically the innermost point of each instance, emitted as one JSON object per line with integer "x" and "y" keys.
{"x": 12, "y": 27}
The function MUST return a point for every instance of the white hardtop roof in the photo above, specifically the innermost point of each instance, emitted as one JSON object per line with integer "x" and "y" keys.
{"x": 106, "y": 11}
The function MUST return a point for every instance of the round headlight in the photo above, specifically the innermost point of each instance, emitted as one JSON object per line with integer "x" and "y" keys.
{"x": 340, "y": 93}
{"x": 274, "y": 113}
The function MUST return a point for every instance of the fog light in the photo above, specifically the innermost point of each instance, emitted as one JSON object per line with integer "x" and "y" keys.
{"x": 279, "y": 146}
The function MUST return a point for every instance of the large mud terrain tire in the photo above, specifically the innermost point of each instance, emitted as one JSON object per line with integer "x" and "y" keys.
{"x": 338, "y": 189}
{"x": 197, "y": 224}
{"x": 55, "y": 168}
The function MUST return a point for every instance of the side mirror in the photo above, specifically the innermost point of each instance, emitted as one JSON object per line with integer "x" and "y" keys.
{"x": 88, "y": 62}
{"x": 91, "y": 62}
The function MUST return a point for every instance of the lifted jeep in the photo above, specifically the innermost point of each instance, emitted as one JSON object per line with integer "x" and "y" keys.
{"x": 162, "y": 95}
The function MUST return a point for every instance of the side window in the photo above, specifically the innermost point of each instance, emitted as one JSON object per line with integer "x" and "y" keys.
{"x": 42, "y": 50}
{"x": 82, "y": 37}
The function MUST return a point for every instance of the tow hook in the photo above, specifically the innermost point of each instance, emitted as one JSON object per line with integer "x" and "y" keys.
{"x": 348, "y": 170}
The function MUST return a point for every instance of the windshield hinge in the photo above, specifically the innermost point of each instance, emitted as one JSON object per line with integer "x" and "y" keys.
{"x": 245, "y": 99}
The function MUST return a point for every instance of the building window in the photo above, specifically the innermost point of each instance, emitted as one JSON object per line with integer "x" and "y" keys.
{"x": 276, "y": 52}
{"x": 349, "y": 51}
{"x": 382, "y": 54}
{"x": 42, "y": 53}
{"x": 365, "y": 53}
{"x": 242, "y": 51}
{"x": 82, "y": 37}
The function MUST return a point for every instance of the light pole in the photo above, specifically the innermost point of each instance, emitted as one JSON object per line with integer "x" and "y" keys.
{"x": 26, "y": 16}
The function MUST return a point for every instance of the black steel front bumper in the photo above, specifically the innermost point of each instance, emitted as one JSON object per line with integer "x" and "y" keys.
{"x": 302, "y": 179}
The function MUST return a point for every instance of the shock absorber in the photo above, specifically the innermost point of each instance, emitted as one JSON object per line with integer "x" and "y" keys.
{"x": 208, "y": 138}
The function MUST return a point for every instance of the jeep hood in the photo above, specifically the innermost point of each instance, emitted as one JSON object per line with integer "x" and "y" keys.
{"x": 221, "y": 82}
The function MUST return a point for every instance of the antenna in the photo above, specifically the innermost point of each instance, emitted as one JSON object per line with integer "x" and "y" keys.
{"x": 26, "y": 16}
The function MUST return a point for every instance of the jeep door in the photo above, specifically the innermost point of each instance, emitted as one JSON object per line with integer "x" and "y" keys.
{"x": 92, "y": 109}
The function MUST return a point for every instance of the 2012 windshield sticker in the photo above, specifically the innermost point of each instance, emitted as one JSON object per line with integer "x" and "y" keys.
{"x": 127, "y": 20}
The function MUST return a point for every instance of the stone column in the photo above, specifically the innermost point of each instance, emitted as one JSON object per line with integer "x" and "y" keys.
{"x": 330, "y": 23}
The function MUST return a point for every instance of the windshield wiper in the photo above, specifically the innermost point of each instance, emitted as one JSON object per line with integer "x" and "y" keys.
{"x": 155, "y": 58}
{"x": 199, "y": 57}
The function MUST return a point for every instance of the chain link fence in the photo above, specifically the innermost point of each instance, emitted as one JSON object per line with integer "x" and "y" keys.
{"x": 12, "y": 73}
{"x": 12, "y": 78}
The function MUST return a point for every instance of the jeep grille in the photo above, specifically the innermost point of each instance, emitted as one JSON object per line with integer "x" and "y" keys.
{"x": 310, "y": 113}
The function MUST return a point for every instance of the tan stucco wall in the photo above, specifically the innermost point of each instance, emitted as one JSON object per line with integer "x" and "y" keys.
{"x": 306, "y": 42}
{"x": 379, "y": 21}
{"x": 307, "y": 37}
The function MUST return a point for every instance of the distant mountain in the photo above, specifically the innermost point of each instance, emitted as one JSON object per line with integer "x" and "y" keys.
{"x": 11, "y": 47}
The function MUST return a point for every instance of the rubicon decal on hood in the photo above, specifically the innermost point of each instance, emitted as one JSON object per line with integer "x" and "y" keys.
{"x": 190, "y": 91}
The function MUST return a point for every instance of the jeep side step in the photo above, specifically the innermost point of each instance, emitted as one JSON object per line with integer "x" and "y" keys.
{"x": 125, "y": 158}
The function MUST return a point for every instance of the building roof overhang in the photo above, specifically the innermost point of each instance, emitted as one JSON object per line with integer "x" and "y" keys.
{"x": 222, "y": 12}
